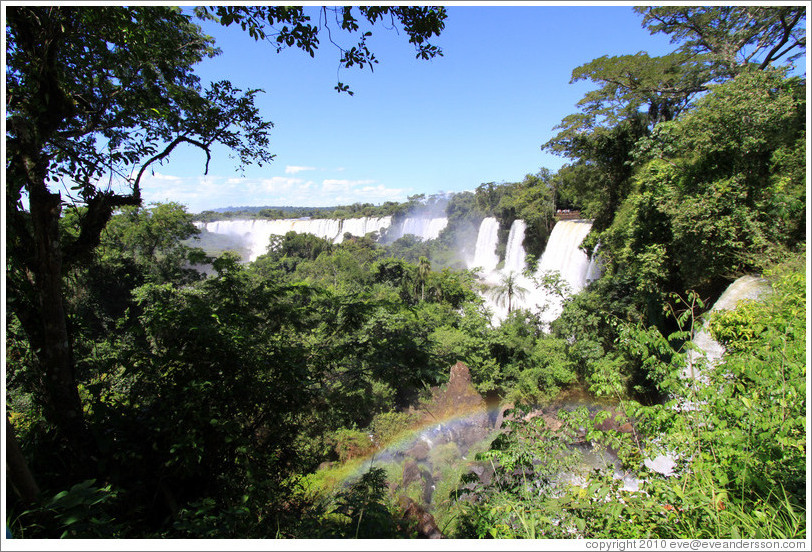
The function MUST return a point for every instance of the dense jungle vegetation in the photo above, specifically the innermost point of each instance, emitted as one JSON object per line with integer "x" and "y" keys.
{"x": 146, "y": 400}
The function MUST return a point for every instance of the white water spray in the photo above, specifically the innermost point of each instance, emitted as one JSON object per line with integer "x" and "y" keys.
{"x": 485, "y": 255}
{"x": 515, "y": 254}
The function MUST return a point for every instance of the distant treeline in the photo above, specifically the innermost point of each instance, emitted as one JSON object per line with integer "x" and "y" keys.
{"x": 356, "y": 210}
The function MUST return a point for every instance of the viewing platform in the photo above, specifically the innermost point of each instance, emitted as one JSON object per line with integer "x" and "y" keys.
{"x": 567, "y": 214}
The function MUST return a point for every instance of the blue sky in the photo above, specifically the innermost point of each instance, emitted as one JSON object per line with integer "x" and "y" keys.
{"x": 477, "y": 114}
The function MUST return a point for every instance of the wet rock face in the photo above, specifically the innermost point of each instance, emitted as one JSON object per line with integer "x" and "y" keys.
{"x": 420, "y": 451}
{"x": 456, "y": 419}
{"x": 458, "y": 398}
{"x": 411, "y": 472}
{"x": 424, "y": 522}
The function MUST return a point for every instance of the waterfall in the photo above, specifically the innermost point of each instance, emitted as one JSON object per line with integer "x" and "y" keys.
{"x": 328, "y": 229}
{"x": 425, "y": 228}
{"x": 595, "y": 269}
{"x": 564, "y": 257}
{"x": 363, "y": 226}
{"x": 256, "y": 233}
{"x": 563, "y": 253}
{"x": 487, "y": 259}
{"x": 514, "y": 254}
{"x": 485, "y": 255}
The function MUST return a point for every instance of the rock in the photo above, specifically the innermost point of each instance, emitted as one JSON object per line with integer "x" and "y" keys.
{"x": 419, "y": 452}
{"x": 459, "y": 395}
{"x": 613, "y": 424}
{"x": 424, "y": 522}
{"x": 428, "y": 486}
{"x": 500, "y": 416}
{"x": 552, "y": 422}
{"x": 411, "y": 472}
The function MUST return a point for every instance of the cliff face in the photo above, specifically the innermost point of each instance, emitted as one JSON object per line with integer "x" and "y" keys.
{"x": 459, "y": 396}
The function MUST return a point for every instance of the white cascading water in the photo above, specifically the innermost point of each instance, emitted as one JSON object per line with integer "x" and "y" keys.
{"x": 515, "y": 254}
{"x": 563, "y": 253}
{"x": 595, "y": 269}
{"x": 425, "y": 228}
{"x": 363, "y": 226}
{"x": 485, "y": 256}
{"x": 328, "y": 229}
{"x": 256, "y": 233}
{"x": 564, "y": 256}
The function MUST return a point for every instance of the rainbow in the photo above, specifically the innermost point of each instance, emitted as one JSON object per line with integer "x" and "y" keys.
{"x": 465, "y": 429}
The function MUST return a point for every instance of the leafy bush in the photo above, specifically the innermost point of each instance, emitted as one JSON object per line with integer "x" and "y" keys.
{"x": 86, "y": 510}
{"x": 351, "y": 443}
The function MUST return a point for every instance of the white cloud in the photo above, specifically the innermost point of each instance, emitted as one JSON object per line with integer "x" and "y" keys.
{"x": 382, "y": 192}
{"x": 337, "y": 185}
{"x": 160, "y": 176}
{"x": 199, "y": 193}
{"x": 279, "y": 183}
{"x": 294, "y": 169}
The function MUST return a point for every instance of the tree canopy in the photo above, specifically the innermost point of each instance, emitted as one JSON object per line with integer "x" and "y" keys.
{"x": 96, "y": 97}
{"x": 636, "y": 92}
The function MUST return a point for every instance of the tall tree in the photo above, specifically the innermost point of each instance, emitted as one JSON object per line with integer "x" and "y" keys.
{"x": 636, "y": 92}
{"x": 96, "y": 97}
{"x": 93, "y": 93}
{"x": 423, "y": 271}
{"x": 732, "y": 37}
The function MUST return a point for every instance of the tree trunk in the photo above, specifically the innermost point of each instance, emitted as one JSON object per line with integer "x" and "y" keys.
{"x": 64, "y": 408}
{"x": 19, "y": 476}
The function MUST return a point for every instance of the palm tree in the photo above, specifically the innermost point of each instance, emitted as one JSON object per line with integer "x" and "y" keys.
{"x": 423, "y": 270}
{"x": 508, "y": 289}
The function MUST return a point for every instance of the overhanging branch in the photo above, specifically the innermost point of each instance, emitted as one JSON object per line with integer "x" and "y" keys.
{"x": 165, "y": 153}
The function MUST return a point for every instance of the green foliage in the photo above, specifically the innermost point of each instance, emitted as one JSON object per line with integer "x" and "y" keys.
{"x": 724, "y": 190}
{"x": 731, "y": 39}
{"x": 508, "y": 290}
{"x": 387, "y": 426}
{"x": 527, "y": 461}
{"x": 84, "y": 511}
{"x": 364, "y": 507}
{"x": 202, "y": 519}
{"x": 598, "y": 179}
{"x": 737, "y": 435}
{"x": 350, "y": 443}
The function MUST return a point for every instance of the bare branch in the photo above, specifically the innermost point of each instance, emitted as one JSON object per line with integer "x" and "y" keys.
{"x": 165, "y": 153}
{"x": 784, "y": 39}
